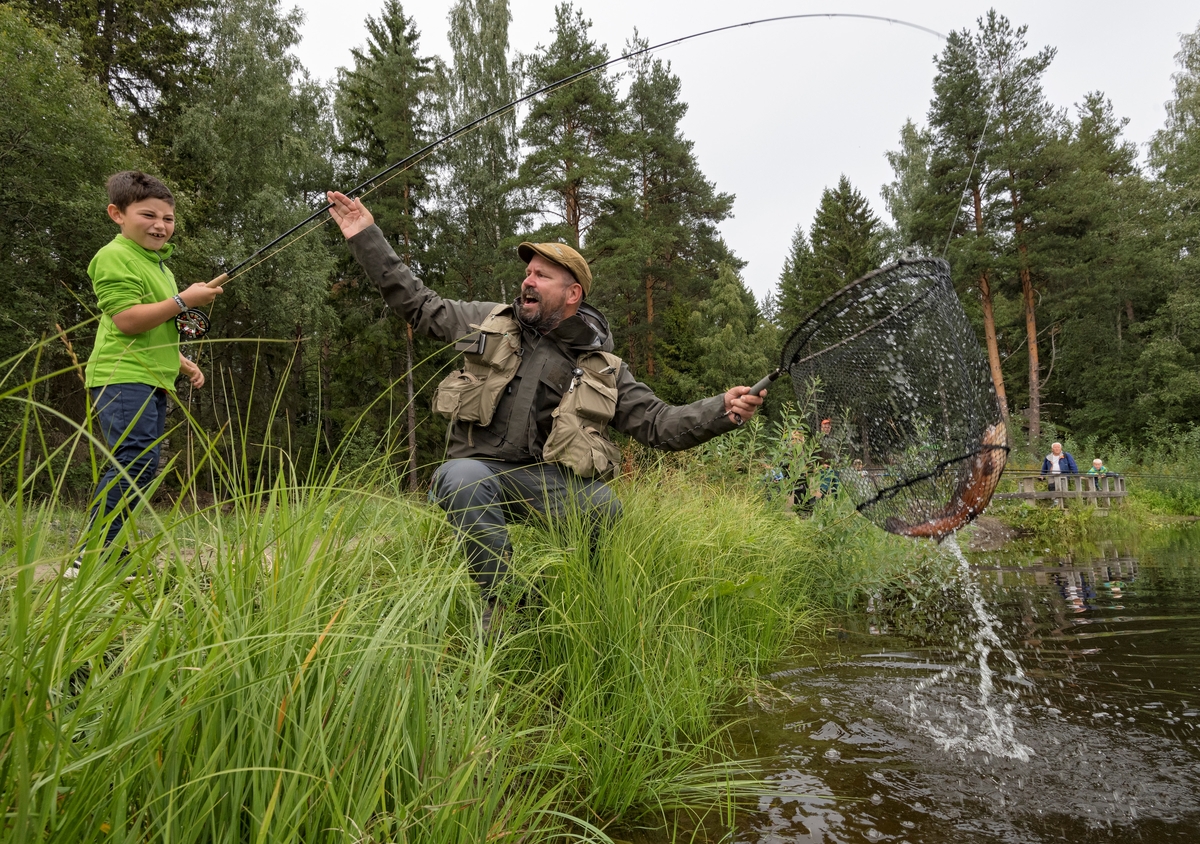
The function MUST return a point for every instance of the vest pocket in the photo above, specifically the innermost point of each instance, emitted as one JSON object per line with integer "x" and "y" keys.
{"x": 594, "y": 400}
{"x": 471, "y": 394}
{"x": 581, "y": 447}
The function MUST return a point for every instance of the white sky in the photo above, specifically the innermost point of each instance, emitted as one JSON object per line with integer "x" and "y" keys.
{"x": 779, "y": 111}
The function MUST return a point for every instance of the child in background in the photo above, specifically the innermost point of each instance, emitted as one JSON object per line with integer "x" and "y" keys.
{"x": 1098, "y": 468}
{"x": 136, "y": 358}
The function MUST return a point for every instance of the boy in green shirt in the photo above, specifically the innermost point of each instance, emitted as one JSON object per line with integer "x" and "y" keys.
{"x": 136, "y": 358}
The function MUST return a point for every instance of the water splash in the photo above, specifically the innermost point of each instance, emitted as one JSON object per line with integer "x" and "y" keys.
{"x": 954, "y": 721}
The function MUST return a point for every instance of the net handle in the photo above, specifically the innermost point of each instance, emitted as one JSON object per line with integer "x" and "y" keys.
{"x": 765, "y": 382}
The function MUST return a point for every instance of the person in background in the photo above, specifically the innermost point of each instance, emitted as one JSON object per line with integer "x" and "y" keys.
{"x": 1058, "y": 462}
{"x": 1098, "y": 471}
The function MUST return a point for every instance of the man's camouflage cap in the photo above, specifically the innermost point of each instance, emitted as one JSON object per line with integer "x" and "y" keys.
{"x": 564, "y": 256}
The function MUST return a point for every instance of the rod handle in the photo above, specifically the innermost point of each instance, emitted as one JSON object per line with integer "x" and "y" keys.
{"x": 219, "y": 280}
{"x": 764, "y": 383}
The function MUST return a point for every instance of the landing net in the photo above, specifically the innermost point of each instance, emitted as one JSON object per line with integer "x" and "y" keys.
{"x": 893, "y": 381}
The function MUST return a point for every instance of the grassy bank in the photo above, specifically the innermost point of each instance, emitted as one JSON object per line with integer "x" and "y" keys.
{"x": 303, "y": 662}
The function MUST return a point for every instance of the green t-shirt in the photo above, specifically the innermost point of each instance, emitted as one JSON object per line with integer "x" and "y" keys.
{"x": 123, "y": 275}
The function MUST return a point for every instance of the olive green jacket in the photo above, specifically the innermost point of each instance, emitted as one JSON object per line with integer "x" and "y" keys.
{"x": 523, "y": 416}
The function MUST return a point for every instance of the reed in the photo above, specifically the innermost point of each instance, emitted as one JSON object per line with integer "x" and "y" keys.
{"x": 301, "y": 660}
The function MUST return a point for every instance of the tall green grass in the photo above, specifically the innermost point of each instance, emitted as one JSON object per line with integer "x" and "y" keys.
{"x": 302, "y": 660}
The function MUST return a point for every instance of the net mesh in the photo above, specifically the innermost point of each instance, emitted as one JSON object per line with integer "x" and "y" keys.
{"x": 890, "y": 373}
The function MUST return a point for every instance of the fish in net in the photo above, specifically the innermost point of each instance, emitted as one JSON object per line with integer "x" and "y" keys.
{"x": 890, "y": 373}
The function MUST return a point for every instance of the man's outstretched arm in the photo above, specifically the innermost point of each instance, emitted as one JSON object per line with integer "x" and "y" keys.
{"x": 429, "y": 313}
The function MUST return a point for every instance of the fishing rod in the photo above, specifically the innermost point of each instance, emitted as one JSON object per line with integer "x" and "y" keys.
{"x": 553, "y": 86}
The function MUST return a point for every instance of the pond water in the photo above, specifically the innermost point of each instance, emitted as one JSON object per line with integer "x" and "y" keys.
{"x": 1046, "y": 695}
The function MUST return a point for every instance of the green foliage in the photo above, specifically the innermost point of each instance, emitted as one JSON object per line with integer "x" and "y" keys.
{"x": 845, "y": 238}
{"x": 480, "y": 212}
{"x": 568, "y": 169}
{"x": 795, "y": 292}
{"x": 146, "y": 54}
{"x": 733, "y": 341}
{"x": 657, "y": 248}
{"x": 301, "y": 661}
{"x": 60, "y": 140}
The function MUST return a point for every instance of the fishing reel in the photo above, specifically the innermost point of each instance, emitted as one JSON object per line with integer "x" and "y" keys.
{"x": 192, "y": 325}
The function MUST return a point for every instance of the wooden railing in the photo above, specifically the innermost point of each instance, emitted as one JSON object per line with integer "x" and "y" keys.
{"x": 1079, "y": 490}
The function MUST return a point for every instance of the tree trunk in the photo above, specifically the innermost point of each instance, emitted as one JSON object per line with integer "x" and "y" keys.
{"x": 1035, "y": 387}
{"x": 989, "y": 320}
{"x": 649, "y": 325}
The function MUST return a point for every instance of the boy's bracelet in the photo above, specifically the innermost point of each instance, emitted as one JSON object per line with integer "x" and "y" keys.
{"x": 179, "y": 301}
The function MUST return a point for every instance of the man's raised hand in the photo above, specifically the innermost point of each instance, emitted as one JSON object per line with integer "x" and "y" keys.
{"x": 350, "y": 214}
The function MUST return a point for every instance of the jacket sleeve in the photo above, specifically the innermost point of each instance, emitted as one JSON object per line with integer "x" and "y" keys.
{"x": 1072, "y": 468}
{"x": 1046, "y": 466}
{"x": 651, "y": 421}
{"x": 429, "y": 313}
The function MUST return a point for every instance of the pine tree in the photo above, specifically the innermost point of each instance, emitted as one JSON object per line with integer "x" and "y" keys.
{"x": 1027, "y": 158}
{"x": 658, "y": 240}
{"x": 1105, "y": 272}
{"x": 569, "y": 171}
{"x": 144, "y": 53}
{"x": 954, "y": 215}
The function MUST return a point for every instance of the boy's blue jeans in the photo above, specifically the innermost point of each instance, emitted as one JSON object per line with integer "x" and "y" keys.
{"x": 132, "y": 418}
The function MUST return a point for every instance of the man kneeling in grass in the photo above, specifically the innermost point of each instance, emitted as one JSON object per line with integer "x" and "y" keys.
{"x": 531, "y": 405}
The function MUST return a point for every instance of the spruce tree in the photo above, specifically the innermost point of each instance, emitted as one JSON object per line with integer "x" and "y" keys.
{"x": 795, "y": 291}
{"x": 382, "y": 105}
{"x": 845, "y": 237}
{"x": 478, "y": 209}
{"x": 731, "y": 337}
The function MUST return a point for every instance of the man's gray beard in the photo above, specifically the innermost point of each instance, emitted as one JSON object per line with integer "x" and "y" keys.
{"x": 544, "y": 322}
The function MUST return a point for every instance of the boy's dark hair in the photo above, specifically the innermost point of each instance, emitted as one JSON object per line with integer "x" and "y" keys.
{"x": 130, "y": 186}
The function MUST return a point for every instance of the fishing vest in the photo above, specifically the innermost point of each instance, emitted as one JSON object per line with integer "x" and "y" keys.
{"x": 491, "y": 356}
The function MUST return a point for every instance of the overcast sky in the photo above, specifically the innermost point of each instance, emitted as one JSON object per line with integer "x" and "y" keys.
{"x": 778, "y": 111}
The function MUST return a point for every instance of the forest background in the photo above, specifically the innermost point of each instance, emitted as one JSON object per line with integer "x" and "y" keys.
{"x": 1078, "y": 266}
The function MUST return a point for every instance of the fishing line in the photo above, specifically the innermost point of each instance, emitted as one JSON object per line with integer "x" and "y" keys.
{"x": 417, "y": 156}
{"x": 970, "y": 172}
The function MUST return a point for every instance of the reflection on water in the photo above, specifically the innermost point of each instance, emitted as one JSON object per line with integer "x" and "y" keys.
{"x": 1088, "y": 671}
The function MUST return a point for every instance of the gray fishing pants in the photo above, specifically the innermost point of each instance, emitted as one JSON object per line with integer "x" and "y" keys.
{"x": 479, "y": 496}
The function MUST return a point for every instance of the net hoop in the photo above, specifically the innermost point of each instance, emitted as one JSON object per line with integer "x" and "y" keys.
{"x": 890, "y": 372}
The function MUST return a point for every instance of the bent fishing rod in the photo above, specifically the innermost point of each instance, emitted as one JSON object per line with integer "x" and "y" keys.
{"x": 553, "y": 86}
